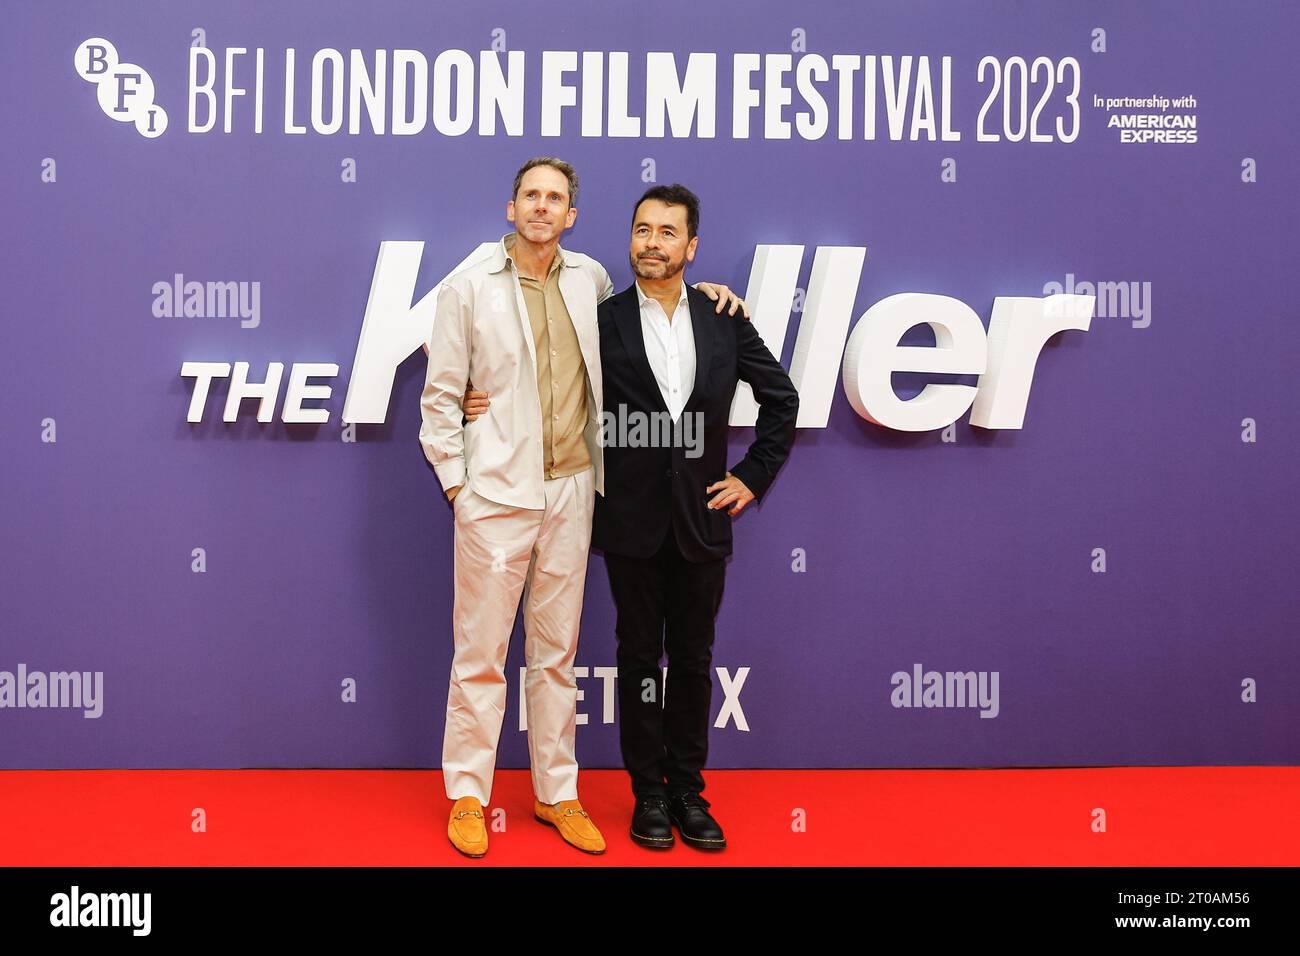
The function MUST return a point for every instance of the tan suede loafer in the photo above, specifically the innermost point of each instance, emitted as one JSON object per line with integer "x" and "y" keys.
{"x": 467, "y": 828}
{"x": 572, "y": 821}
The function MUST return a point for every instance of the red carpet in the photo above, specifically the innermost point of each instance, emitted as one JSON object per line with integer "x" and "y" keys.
{"x": 1155, "y": 816}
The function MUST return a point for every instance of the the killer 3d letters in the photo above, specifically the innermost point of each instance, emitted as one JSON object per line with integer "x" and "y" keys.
{"x": 1004, "y": 357}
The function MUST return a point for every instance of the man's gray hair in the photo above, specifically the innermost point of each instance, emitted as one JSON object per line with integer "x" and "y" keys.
{"x": 557, "y": 164}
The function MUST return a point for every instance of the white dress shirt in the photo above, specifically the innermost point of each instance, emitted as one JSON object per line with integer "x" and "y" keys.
{"x": 670, "y": 348}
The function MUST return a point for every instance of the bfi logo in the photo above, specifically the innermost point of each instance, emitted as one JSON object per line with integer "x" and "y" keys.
{"x": 1004, "y": 358}
{"x": 125, "y": 91}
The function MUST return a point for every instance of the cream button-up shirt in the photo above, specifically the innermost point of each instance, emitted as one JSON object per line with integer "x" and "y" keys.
{"x": 481, "y": 333}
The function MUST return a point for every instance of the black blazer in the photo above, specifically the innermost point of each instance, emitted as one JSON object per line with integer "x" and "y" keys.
{"x": 648, "y": 489}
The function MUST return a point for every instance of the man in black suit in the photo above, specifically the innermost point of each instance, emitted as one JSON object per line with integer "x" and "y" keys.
{"x": 670, "y": 368}
{"x": 663, "y": 521}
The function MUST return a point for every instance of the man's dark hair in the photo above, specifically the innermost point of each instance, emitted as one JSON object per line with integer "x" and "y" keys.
{"x": 674, "y": 195}
{"x": 556, "y": 164}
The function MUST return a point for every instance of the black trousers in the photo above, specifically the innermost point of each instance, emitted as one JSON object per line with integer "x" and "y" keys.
{"x": 665, "y": 603}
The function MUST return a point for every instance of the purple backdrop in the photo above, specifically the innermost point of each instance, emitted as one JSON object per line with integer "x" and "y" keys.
{"x": 328, "y": 560}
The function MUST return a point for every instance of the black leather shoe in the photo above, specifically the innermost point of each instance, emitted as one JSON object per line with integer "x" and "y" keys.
{"x": 689, "y": 813}
{"x": 650, "y": 824}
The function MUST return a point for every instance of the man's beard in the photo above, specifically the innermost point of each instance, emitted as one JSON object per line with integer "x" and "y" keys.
{"x": 653, "y": 264}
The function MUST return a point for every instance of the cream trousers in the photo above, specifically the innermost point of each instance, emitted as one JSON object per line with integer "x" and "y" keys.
{"x": 502, "y": 551}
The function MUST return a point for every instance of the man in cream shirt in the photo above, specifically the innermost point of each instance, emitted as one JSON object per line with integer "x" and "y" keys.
{"x": 521, "y": 325}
